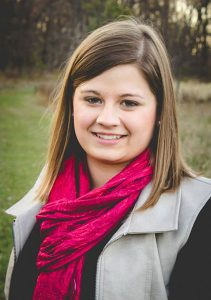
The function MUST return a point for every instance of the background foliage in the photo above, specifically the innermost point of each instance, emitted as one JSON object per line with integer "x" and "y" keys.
{"x": 42, "y": 33}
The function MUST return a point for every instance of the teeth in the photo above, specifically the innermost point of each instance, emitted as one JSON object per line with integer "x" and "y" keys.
{"x": 108, "y": 137}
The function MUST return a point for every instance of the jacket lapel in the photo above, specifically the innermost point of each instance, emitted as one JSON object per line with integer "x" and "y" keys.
{"x": 162, "y": 217}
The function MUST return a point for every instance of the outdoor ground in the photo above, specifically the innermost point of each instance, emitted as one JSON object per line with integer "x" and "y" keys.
{"x": 24, "y": 126}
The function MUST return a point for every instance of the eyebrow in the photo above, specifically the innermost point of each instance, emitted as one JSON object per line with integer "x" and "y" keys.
{"x": 122, "y": 95}
{"x": 90, "y": 91}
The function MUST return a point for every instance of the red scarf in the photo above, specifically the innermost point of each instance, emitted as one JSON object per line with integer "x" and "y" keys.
{"x": 72, "y": 224}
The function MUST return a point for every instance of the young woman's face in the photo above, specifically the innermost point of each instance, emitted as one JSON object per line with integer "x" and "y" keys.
{"x": 114, "y": 115}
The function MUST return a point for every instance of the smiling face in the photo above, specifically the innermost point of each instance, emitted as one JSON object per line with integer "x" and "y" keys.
{"x": 114, "y": 115}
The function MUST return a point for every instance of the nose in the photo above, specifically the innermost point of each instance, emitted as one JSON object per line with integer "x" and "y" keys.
{"x": 108, "y": 116}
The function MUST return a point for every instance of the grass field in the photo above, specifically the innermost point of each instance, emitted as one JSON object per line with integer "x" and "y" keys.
{"x": 23, "y": 137}
{"x": 23, "y": 141}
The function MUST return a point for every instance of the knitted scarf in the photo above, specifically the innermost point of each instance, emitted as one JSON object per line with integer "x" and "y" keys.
{"x": 77, "y": 218}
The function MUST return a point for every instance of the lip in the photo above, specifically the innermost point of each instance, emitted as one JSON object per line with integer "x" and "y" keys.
{"x": 108, "y": 133}
{"x": 108, "y": 141}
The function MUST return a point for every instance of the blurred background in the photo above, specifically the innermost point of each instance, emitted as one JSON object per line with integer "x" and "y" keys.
{"x": 36, "y": 38}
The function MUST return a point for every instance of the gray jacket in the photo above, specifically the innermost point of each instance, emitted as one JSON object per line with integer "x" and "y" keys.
{"x": 138, "y": 260}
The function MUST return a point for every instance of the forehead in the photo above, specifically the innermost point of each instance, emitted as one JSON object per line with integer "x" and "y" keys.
{"x": 119, "y": 79}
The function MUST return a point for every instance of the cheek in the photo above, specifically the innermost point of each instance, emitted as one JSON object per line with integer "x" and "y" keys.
{"x": 143, "y": 123}
{"x": 150, "y": 121}
{"x": 82, "y": 119}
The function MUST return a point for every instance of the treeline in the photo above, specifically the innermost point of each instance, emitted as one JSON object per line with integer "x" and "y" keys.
{"x": 36, "y": 34}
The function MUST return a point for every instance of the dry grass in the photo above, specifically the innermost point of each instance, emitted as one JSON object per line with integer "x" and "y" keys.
{"x": 194, "y": 109}
{"x": 193, "y": 91}
{"x": 44, "y": 92}
{"x": 195, "y": 129}
{"x": 43, "y": 84}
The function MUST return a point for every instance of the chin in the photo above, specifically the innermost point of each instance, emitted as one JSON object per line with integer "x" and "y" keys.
{"x": 112, "y": 161}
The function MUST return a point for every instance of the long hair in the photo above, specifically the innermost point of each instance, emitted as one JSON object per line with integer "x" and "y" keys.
{"x": 120, "y": 42}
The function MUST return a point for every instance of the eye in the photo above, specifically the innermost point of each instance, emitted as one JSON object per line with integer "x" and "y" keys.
{"x": 93, "y": 100}
{"x": 130, "y": 103}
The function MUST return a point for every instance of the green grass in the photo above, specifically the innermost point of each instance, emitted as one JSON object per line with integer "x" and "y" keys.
{"x": 23, "y": 132}
{"x": 23, "y": 141}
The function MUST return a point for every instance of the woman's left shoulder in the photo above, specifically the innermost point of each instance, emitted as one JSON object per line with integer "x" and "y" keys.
{"x": 194, "y": 194}
{"x": 195, "y": 190}
{"x": 196, "y": 182}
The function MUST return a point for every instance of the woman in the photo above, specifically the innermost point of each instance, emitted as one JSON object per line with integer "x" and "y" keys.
{"x": 118, "y": 214}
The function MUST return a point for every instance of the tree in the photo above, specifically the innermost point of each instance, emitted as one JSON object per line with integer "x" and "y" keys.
{"x": 42, "y": 33}
{"x": 99, "y": 12}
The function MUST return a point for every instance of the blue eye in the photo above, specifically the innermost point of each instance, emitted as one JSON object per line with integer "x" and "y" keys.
{"x": 93, "y": 100}
{"x": 129, "y": 103}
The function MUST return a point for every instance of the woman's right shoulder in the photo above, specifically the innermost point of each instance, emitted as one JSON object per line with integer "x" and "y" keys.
{"x": 29, "y": 200}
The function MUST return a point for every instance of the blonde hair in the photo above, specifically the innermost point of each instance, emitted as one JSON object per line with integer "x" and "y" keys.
{"x": 120, "y": 42}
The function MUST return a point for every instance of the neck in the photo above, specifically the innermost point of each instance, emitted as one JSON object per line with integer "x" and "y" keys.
{"x": 101, "y": 172}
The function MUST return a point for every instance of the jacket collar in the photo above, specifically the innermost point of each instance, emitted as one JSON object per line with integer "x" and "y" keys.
{"x": 28, "y": 204}
{"x": 163, "y": 216}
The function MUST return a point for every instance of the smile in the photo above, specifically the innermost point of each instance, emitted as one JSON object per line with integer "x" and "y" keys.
{"x": 108, "y": 136}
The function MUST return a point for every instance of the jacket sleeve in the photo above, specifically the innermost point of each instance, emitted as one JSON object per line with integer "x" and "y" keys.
{"x": 190, "y": 278}
{"x": 9, "y": 274}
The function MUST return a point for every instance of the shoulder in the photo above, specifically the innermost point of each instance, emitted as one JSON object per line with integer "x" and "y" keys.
{"x": 198, "y": 185}
{"x": 195, "y": 192}
{"x": 195, "y": 203}
{"x": 29, "y": 200}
